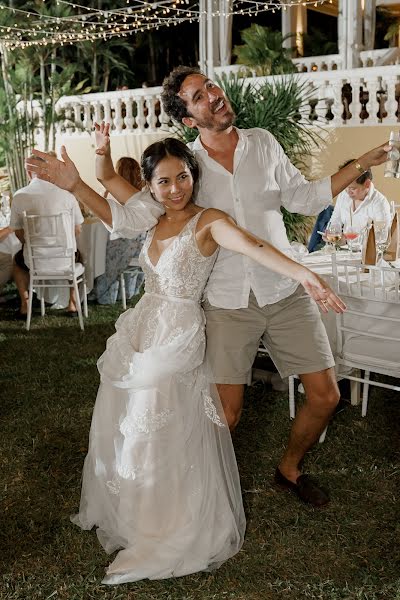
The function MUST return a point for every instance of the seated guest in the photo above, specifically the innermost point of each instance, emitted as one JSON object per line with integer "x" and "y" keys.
{"x": 316, "y": 242}
{"x": 5, "y": 259}
{"x": 39, "y": 198}
{"x": 120, "y": 251}
{"x": 362, "y": 201}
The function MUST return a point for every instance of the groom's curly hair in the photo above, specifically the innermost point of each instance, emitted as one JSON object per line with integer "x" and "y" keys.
{"x": 173, "y": 105}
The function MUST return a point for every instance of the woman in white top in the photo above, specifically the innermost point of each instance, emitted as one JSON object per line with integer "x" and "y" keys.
{"x": 360, "y": 203}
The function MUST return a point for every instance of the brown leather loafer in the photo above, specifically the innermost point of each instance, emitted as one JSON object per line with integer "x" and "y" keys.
{"x": 306, "y": 488}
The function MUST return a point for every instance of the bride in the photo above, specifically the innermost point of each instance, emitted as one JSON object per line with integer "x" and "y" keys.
{"x": 160, "y": 480}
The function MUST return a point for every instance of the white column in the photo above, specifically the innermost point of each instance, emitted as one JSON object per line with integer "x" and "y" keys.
{"x": 225, "y": 33}
{"x": 203, "y": 36}
{"x": 369, "y": 24}
{"x": 342, "y": 32}
{"x": 354, "y": 33}
{"x": 294, "y": 20}
{"x": 210, "y": 40}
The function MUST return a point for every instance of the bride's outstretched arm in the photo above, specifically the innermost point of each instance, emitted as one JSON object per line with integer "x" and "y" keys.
{"x": 65, "y": 175}
{"x": 116, "y": 185}
{"x": 228, "y": 235}
{"x": 128, "y": 220}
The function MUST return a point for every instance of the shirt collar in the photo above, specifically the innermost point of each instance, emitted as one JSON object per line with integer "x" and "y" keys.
{"x": 242, "y": 135}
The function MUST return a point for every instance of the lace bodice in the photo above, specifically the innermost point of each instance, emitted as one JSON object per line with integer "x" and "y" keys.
{"x": 182, "y": 271}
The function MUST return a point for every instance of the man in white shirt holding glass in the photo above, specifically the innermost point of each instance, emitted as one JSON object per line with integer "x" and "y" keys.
{"x": 361, "y": 204}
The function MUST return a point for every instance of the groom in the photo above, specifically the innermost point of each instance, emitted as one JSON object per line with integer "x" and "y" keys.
{"x": 246, "y": 174}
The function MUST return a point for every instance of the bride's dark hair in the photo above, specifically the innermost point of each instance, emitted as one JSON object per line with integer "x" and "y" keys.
{"x": 167, "y": 147}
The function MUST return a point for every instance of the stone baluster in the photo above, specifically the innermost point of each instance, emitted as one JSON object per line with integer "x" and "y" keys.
{"x": 355, "y": 107}
{"x": 107, "y": 112}
{"x": 372, "y": 86}
{"x": 68, "y": 124}
{"x": 151, "y": 117}
{"x": 118, "y": 120}
{"x": 321, "y": 108}
{"x": 129, "y": 118}
{"x": 98, "y": 113}
{"x": 87, "y": 117}
{"x": 163, "y": 118}
{"x": 336, "y": 107}
{"x": 391, "y": 103}
{"x": 77, "y": 107}
{"x": 140, "y": 118}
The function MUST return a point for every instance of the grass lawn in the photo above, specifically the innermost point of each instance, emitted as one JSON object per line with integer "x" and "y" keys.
{"x": 348, "y": 550}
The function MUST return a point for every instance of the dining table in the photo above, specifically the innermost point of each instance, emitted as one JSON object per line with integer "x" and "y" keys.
{"x": 321, "y": 263}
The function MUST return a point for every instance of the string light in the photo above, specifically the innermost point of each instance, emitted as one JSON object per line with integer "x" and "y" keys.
{"x": 76, "y": 23}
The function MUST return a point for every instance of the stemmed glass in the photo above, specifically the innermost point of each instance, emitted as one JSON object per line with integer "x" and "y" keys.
{"x": 382, "y": 238}
{"x": 351, "y": 233}
{"x": 333, "y": 234}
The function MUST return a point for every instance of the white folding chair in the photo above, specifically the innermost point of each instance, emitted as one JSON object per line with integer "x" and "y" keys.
{"x": 368, "y": 333}
{"x": 51, "y": 245}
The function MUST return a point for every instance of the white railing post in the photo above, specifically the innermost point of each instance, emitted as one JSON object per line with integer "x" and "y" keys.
{"x": 118, "y": 120}
{"x": 391, "y": 103}
{"x": 373, "y": 104}
{"x": 129, "y": 118}
{"x": 151, "y": 117}
{"x": 355, "y": 106}
{"x": 87, "y": 117}
{"x": 140, "y": 118}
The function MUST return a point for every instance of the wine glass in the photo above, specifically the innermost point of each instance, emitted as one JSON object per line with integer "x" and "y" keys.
{"x": 382, "y": 241}
{"x": 351, "y": 233}
{"x": 333, "y": 234}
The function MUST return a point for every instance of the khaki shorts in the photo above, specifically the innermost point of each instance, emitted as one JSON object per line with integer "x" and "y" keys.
{"x": 291, "y": 329}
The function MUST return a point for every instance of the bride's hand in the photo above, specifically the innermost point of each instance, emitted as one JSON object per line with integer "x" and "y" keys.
{"x": 319, "y": 291}
{"x": 102, "y": 137}
{"x": 62, "y": 173}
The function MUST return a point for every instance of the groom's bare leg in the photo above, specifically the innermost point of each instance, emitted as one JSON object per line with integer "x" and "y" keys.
{"x": 322, "y": 396}
{"x": 232, "y": 402}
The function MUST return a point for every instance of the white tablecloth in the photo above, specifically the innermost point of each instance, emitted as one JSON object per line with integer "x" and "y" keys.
{"x": 92, "y": 244}
{"x": 10, "y": 245}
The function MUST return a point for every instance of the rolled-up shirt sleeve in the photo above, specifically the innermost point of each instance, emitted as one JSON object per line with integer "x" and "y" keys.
{"x": 139, "y": 214}
{"x": 297, "y": 194}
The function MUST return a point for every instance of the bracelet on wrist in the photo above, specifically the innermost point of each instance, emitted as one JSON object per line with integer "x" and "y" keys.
{"x": 359, "y": 168}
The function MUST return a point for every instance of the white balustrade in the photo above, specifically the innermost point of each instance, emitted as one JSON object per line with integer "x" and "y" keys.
{"x": 367, "y": 96}
{"x": 133, "y": 111}
{"x": 380, "y": 57}
{"x": 308, "y": 64}
{"x": 364, "y": 96}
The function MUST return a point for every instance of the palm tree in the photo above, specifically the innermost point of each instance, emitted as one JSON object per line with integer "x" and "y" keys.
{"x": 263, "y": 51}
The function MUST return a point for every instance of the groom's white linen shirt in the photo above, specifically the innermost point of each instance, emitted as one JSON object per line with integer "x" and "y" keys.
{"x": 263, "y": 180}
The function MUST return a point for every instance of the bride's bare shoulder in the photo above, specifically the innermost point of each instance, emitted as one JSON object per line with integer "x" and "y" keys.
{"x": 210, "y": 215}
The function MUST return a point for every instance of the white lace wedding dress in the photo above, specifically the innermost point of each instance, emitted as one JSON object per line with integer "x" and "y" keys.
{"x": 160, "y": 479}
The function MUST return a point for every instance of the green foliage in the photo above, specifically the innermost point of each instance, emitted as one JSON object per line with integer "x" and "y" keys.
{"x": 316, "y": 44}
{"x": 263, "y": 51}
{"x": 280, "y": 107}
{"x": 347, "y": 551}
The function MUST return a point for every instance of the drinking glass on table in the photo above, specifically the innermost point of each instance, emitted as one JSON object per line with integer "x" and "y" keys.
{"x": 333, "y": 234}
{"x": 351, "y": 233}
{"x": 382, "y": 238}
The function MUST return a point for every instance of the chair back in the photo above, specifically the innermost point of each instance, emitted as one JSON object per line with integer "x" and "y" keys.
{"x": 368, "y": 332}
{"x": 50, "y": 242}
